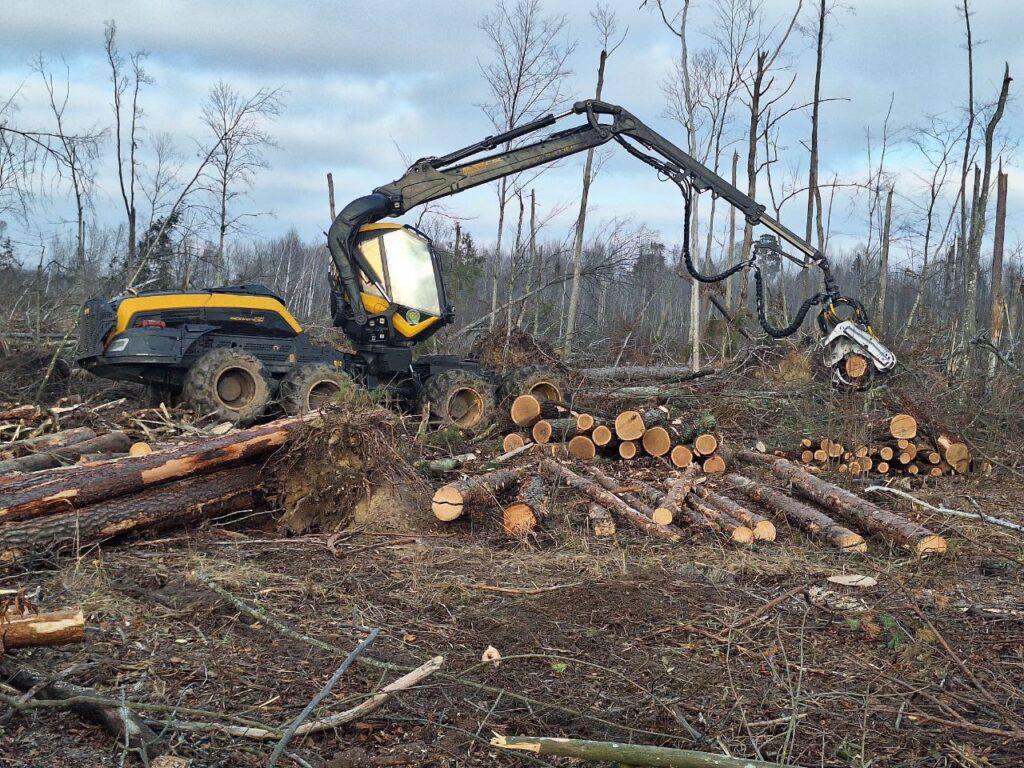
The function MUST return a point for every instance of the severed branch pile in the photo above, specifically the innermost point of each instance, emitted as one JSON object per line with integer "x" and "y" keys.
{"x": 899, "y": 445}
{"x": 671, "y": 500}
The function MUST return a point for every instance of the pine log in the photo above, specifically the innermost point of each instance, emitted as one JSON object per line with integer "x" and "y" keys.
{"x": 806, "y": 443}
{"x": 451, "y": 500}
{"x": 608, "y": 500}
{"x": 934, "y": 457}
{"x": 127, "y": 727}
{"x": 629, "y": 425}
{"x": 582, "y": 447}
{"x": 164, "y": 506}
{"x": 114, "y": 442}
{"x": 521, "y": 517}
{"x": 553, "y": 430}
{"x": 77, "y": 487}
{"x": 681, "y": 456}
{"x": 912, "y": 469}
{"x": 738, "y": 532}
{"x": 807, "y": 456}
{"x": 512, "y": 441}
{"x": 867, "y": 515}
{"x": 527, "y": 409}
{"x": 701, "y": 424}
{"x": 52, "y": 440}
{"x": 834, "y": 450}
{"x": 815, "y": 523}
{"x": 635, "y": 498}
{"x": 609, "y": 752}
{"x": 627, "y": 449}
{"x": 601, "y": 522}
{"x": 655, "y": 417}
{"x": 953, "y": 449}
{"x": 820, "y": 455}
{"x": 41, "y": 629}
{"x": 657, "y": 440}
{"x": 882, "y": 467}
{"x": 677, "y": 495}
{"x": 762, "y": 527}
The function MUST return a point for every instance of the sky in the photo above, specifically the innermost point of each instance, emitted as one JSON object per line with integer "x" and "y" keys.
{"x": 369, "y": 86}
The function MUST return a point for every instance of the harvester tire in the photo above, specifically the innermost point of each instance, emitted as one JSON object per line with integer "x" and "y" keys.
{"x": 313, "y": 386}
{"x": 228, "y": 383}
{"x": 541, "y": 381}
{"x": 460, "y": 398}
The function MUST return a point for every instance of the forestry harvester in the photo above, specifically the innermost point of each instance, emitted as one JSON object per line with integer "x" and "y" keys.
{"x": 232, "y": 350}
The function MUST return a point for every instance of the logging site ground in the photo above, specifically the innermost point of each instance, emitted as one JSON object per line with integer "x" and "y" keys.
{"x": 755, "y": 651}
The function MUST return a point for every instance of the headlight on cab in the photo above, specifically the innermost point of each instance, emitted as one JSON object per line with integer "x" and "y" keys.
{"x": 118, "y": 345}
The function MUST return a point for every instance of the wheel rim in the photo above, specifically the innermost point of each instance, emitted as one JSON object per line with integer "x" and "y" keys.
{"x": 465, "y": 407}
{"x": 321, "y": 393}
{"x": 236, "y": 388}
{"x": 545, "y": 390}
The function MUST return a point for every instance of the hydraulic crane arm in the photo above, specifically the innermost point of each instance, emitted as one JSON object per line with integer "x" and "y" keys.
{"x": 433, "y": 178}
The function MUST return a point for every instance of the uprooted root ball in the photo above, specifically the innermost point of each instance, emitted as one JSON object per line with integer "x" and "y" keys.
{"x": 347, "y": 467}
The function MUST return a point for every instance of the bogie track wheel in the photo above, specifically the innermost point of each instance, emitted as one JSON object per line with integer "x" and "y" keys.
{"x": 541, "y": 381}
{"x": 313, "y": 386}
{"x": 228, "y": 383}
{"x": 460, "y": 398}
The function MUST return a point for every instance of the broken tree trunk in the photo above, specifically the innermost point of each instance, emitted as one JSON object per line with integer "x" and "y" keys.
{"x": 868, "y": 516}
{"x": 52, "y": 440}
{"x": 124, "y": 724}
{"x": 114, "y": 442}
{"x": 601, "y": 522}
{"x": 165, "y": 506}
{"x": 77, "y": 487}
{"x": 451, "y": 500}
{"x": 39, "y": 629}
{"x": 608, "y": 500}
{"x": 763, "y": 528}
{"x": 521, "y": 517}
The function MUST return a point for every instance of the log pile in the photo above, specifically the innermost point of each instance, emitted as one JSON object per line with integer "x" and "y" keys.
{"x": 626, "y": 435}
{"x": 899, "y": 445}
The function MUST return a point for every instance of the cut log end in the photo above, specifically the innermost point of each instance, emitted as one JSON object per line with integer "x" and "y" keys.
{"x": 518, "y": 519}
{"x": 682, "y": 456}
{"x": 764, "y": 530}
{"x": 662, "y": 516}
{"x": 541, "y": 431}
{"x": 584, "y": 422}
{"x": 448, "y": 503}
{"x": 657, "y": 441}
{"x": 627, "y": 449}
{"x": 856, "y": 366}
{"x": 903, "y": 426}
{"x": 525, "y": 410}
{"x": 714, "y": 465}
{"x": 851, "y": 542}
{"x": 582, "y": 447}
{"x": 705, "y": 445}
{"x": 601, "y": 435}
{"x": 742, "y": 535}
{"x": 601, "y": 522}
{"x": 512, "y": 441}
{"x": 629, "y": 425}
{"x": 958, "y": 456}
{"x": 140, "y": 449}
{"x": 930, "y": 545}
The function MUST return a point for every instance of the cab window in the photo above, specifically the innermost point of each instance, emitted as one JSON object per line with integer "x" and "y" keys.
{"x": 410, "y": 271}
{"x": 370, "y": 249}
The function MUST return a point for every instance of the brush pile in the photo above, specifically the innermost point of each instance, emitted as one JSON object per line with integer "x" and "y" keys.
{"x": 686, "y": 484}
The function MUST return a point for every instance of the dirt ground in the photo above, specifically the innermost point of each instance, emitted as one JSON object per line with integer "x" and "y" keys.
{"x": 699, "y": 645}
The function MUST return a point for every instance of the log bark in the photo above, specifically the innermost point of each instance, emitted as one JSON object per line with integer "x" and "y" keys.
{"x": 866, "y": 515}
{"x": 814, "y": 522}
{"x": 41, "y": 629}
{"x": 180, "y": 503}
{"x": 114, "y": 442}
{"x": 522, "y": 517}
{"x": 762, "y": 528}
{"x": 635, "y": 498}
{"x": 28, "y": 445}
{"x": 626, "y": 373}
{"x": 700, "y": 424}
{"x": 608, "y": 500}
{"x": 737, "y": 531}
{"x": 124, "y": 724}
{"x": 451, "y": 500}
{"x": 77, "y": 487}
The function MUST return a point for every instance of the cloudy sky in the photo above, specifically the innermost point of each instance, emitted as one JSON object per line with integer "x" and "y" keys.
{"x": 368, "y": 83}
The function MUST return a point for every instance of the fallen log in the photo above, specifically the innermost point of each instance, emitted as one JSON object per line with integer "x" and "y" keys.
{"x": 163, "y": 506}
{"x": 17, "y": 412}
{"x": 643, "y": 373}
{"x": 124, "y": 724}
{"x": 608, "y": 500}
{"x": 451, "y": 500}
{"x": 864, "y": 513}
{"x": 28, "y": 445}
{"x": 624, "y": 754}
{"x": 114, "y": 442}
{"x": 76, "y": 487}
{"x": 762, "y": 527}
{"x": 676, "y": 496}
{"x": 737, "y": 531}
{"x": 41, "y": 629}
{"x": 659, "y": 515}
{"x": 522, "y": 516}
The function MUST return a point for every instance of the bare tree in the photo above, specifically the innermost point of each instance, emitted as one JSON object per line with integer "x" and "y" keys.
{"x": 998, "y": 303}
{"x": 238, "y": 158}
{"x": 607, "y": 30}
{"x": 127, "y": 79}
{"x": 525, "y": 78}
